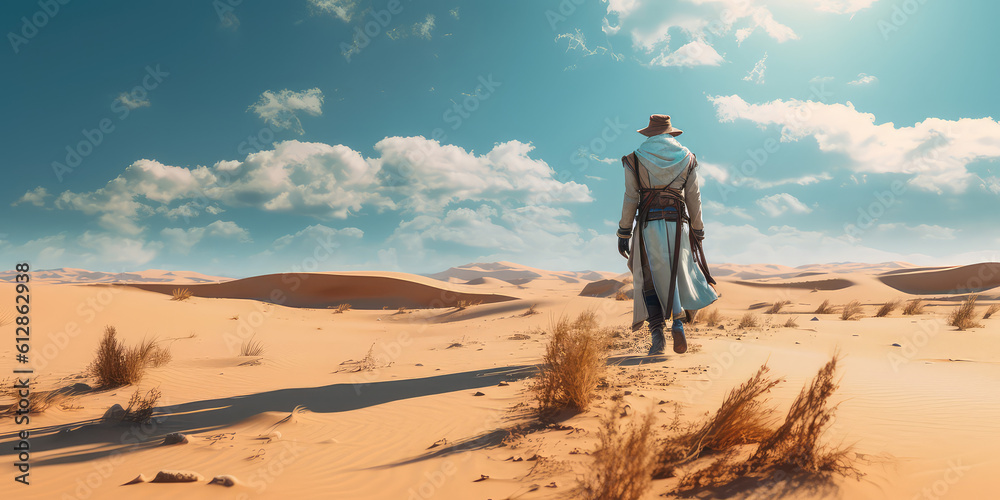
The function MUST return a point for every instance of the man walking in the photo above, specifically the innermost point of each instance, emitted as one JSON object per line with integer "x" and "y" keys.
{"x": 662, "y": 197}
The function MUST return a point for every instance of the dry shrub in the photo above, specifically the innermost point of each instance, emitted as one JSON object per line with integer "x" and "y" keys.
{"x": 826, "y": 308}
{"x": 791, "y": 323}
{"x": 621, "y": 296}
{"x": 38, "y": 401}
{"x": 574, "y": 361}
{"x": 743, "y": 418}
{"x": 913, "y": 307}
{"x": 852, "y": 311}
{"x": 624, "y": 460}
{"x": 793, "y": 447}
{"x": 116, "y": 364}
{"x": 251, "y": 347}
{"x": 181, "y": 294}
{"x": 714, "y": 318}
{"x": 140, "y": 408}
{"x": 964, "y": 316}
{"x": 465, "y": 304}
{"x": 749, "y": 320}
{"x": 888, "y": 308}
{"x": 991, "y": 311}
{"x": 531, "y": 310}
{"x": 777, "y": 306}
{"x": 342, "y": 308}
{"x": 158, "y": 356}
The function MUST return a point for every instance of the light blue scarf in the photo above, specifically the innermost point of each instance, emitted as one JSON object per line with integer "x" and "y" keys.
{"x": 664, "y": 157}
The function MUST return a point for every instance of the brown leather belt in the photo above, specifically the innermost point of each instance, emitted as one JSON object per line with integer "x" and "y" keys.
{"x": 667, "y": 215}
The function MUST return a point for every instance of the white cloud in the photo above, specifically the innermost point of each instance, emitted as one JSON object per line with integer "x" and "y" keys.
{"x": 182, "y": 240}
{"x": 36, "y": 197}
{"x": 132, "y": 102}
{"x": 804, "y": 180}
{"x": 112, "y": 249}
{"x": 423, "y": 29}
{"x": 778, "y": 204}
{"x": 577, "y": 41}
{"x": 756, "y": 75}
{"x": 323, "y": 181}
{"x": 863, "y": 79}
{"x": 934, "y": 152}
{"x": 716, "y": 208}
{"x": 923, "y": 231}
{"x": 343, "y": 9}
{"x": 695, "y": 53}
{"x": 842, "y": 6}
{"x": 279, "y": 109}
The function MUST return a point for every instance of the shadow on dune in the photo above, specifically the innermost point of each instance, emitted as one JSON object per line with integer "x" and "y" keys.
{"x": 778, "y": 485}
{"x": 99, "y": 439}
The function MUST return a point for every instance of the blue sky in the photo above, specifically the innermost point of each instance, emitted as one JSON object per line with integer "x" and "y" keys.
{"x": 240, "y": 138}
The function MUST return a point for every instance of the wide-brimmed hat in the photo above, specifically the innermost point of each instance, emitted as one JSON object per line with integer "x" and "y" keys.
{"x": 660, "y": 124}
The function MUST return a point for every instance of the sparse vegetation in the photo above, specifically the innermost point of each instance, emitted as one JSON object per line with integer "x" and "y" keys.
{"x": 234, "y": 317}
{"x": 991, "y": 311}
{"x": 964, "y": 316}
{"x": 749, "y": 320}
{"x": 826, "y": 308}
{"x": 791, "y": 323}
{"x": 713, "y": 318}
{"x": 623, "y": 461}
{"x": 116, "y": 364}
{"x": 465, "y": 304}
{"x": 342, "y": 308}
{"x": 531, "y": 310}
{"x": 851, "y": 311}
{"x": 913, "y": 307}
{"x": 620, "y": 295}
{"x": 38, "y": 401}
{"x": 574, "y": 361}
{"x": 140, "y": 408}
{"x": 251, "y": 347}
{"x": 888, "y": 308}
{"x": 181, "y": 294}
{"x": 794, "y": 446}
{"x": 777, "y": 306}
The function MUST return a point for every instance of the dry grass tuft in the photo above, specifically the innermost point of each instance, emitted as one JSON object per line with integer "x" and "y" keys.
{"x": 743, "y": 418}
{"x": 826, "y": 308}
{"x": 531, "y": 310}
{"x": 621, "y": 296}
{"x": 251, "y": 347}
{"x": 777, "y": 306}
{"x": 749, "y": 320}
{"x": 465, "y": 304}
{"x": 140, "y": 408}
{"x": 793, "y": 447}
{"x": 158, "y": 356}
{"x": 913, "y": 307}
{"x": 852, "y": 311}
{"x": 38, "y": 401}
{"x": 888, "y": 308}
{"x": 342, "y": 308}
{"x": 574, "y": 361}
{"x": 713, "y": 318}
{"x": 964, "y": 316}
{"x": 991, "y": 311}
{"x": 117, "y": 364}
{"x": 791, "y": 323}
{"x": 624, "y": 460}
{"x": 181, "y": 294}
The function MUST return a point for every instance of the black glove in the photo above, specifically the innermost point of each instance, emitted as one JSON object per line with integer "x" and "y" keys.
{"x": 623, "y": 246}
{"x": 699, "y": 233}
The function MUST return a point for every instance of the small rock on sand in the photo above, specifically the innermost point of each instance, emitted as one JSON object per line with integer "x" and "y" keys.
{"x": 478, "y": 394}
{"x": 116, "y": 412}
{"x": 224, "y": 480}
{"x": 175, "y": 438}
{"x": 141, "y": 478}
{"x": 177, "y": 476}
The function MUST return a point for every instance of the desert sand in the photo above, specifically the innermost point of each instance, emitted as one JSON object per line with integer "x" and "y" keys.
{"x": 380, "y": 401}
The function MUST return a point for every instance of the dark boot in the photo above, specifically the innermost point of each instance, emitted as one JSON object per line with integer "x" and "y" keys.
{"x": 680, "y": 341}
{"x": 659, "y": 341}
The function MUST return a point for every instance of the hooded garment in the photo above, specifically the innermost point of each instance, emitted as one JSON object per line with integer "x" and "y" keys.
{"x": 663, "y": 161}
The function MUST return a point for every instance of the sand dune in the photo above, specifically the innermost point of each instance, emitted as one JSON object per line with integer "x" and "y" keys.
{"x": 67, "y": 275}
{"x": 516, "y": 274}
{"x": 319, "y": 290}
{"x": 963, "y": 279}
{"x": 827, "y": 284}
